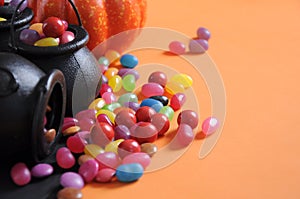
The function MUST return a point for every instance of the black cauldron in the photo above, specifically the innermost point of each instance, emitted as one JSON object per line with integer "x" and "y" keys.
{"x": 21, "y": 22}
{"x": 25, "y": 93}
{"x": 77, "y": 63}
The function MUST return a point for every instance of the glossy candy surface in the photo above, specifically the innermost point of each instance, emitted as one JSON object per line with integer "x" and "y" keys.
{"x": 39, "y": 28}
{"x": 66, "y": 37}
{"x": 177, "y": 47}
{"x": 127, "y": 97}
{"x": 71, "y": 179}
{"x": 188, "y": 117}
{"x": 161, "y": 122}
{"x": 105, "y": 175}
{"x": 88, "y": 170}
{"x": 97, "y": 104}
{"x": 203, "y": 33}
{"x": 109, "y": 114}
{"x": 105, "y": 88}
{"x": 144, "y": 114}
{"x": 20, "y": 174}
{"x": 129, "y": 82}
{"x": 69, "y": 193}
{"x": 155, "y": 104}
{"x": 65, "y": 158}
{"x": 149, "y": 148}
{"x": 109, "y": 97}
{"x": 104, "y": 118}
{"x": 174, "y": 87}
{"x": 143, "y": 132}
{"x": 168, "y": 111}
{"x": 198, "y": 46}
{"x": 48, "y": 41}
{"x": 112, "y": 56}
{"x": 152, "y": 89}
{"x": 110, "y": 72}
{"x": 129, "y": 172}
{"x": 210, "y": 125}
{"x": 41, "y": 170}
{"x": 129, "y": 61}
{"x": 29, "y": 37}
{"x": 108, "y": 160}
{"x": 121, "y": 132}
{"x": 93, "y": 150}
{"x": 177, "y": 101}
{"x": 184, "y": 135}
{"x": 159, "y": 78}
{"x": 163, "y": 99}
{"x": 102, "y": 134}
{"x": 53, "y": 27}
{"x": 183, "y": 79}
{"x": 113, "y": 146}
{"x": 115, "y": 83}
{"x": 141, "y": 158}
{"x": 126, "y": 118}
{"x": 127, "y": 147}
{"x": 76, "y": 144}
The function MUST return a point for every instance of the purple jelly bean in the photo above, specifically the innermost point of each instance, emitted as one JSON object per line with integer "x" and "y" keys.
{"x": 121, "y": 132}
{"x": 71, "y": 179}
{"x": 41, "y": 170}
{"x": 88, "y": 170}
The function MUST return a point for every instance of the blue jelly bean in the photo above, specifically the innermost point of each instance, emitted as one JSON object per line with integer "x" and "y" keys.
{"x": 129, "y": 61}
{"x": 129, "y": 172}
{"x": 155, "y": 104}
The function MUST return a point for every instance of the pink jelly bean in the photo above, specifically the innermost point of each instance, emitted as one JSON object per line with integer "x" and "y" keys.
{"x": 20, "y": 174}
{"x": 104, "y": 118}
{"x": 88, "y": 170}
{"x": 66, "y": 37}
{"x": 210, "y": 125}
{"x": 184, "y": 135}
{"x": 108, "y": 160}
{"x": 105, "y": 175}
{"x": 109, "y": 97}
{"x": 177, "y": 47}
{"x": 41, "y": 170}
{"x": 152, "y": 89}
{"x": 69, "y": 122}
{"x": 177, "y": 101}
{"x": 86, "y": 124}
{"x": 71, "y": 179}
{"x": 159, "y": 78}
{"x": 65, "y": 158}
{"x": 188, "y": 117}
{"x": 141, "y": 158}
{"x": 89, "y": 113}
{"x": 105, "y": 88}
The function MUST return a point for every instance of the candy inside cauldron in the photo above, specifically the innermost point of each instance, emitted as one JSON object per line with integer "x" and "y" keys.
{"x": 25, "y": 93}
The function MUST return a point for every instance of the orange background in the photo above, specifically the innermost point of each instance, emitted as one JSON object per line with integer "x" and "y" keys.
{"x": 255, "y": 45}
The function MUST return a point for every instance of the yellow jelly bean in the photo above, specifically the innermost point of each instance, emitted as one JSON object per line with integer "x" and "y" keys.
{"x": 49, "y": 41}
{"x": 109, "y": 114}
{"x": 112, "y": 56}
{"x": 37, "y": 27}
{"x": 113, "y": 146}
{"x": 93, "y": 150}
{"x": 2, "y": 19}
{"x": 97, "y": 104}
{"x": 174, "y": 87}
{"x": 110, "y": 72}
{"x": 183, "y": 79}
{"x": 115, "y": 83}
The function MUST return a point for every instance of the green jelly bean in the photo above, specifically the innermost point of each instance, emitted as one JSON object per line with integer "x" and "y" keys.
{"x": 111, "y": 107}
{"x": 129, "y": 82}
{"x": 168, "y": 111}
{"x": 127, "y": 97}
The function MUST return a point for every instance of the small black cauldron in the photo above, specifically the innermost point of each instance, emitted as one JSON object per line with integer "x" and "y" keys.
{"x": 77, "y": 63}
{"x": 25, "y": 93}
{"x": 21, "y": 22}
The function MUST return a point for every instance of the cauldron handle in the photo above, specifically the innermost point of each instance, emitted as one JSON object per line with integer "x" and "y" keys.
{"x": 12, "y": 29}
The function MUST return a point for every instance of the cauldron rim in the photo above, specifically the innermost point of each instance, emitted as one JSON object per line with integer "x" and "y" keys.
{"x": 22, "y": 18}
{"x": 81, "y": 39}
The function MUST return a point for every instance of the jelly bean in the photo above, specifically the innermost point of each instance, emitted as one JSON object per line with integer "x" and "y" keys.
{"x": 39, "y": 28}
{"x": 127, "y": 97}
{"x": 203, "y": 33}
{"x": 50, "y": 135}
{"x": 129, "y": 61}
{"x": 76, "y": 144}
{"x": 108, "y": 160}
{"x": 53, "y": 27}
{"x": 41, "y": 170}
{"x": 88, "y": 113}
{"x": 144, "y": 114}
{"x": 125, "y": 118}
{"x": 177, "y": 101}
{"x": 188, "y": 117}
{"x": 66, "y": 37}
{"x": 132, "y": 105}
{"x": 103, "y": 60}
{"x": 122, "y": 132}
{"x": 126, "y": 71}
{"x": 127, "y": 147}
{"x": 69, "y": 193}
{"x": 111, "y": 107}
{"x": 113, "y": 146}
{"x": 15, "y": 3}
{"x": 112, "y": 56}
{"x": 198, "y": 46}
{"x": 109, "y": 114}
{"x": 163, "y": 99}
{"x": 105, "y": 175}
{"x": 149, "y": 148}
{"x": 174, "y": 87}
{"x": 109, "y": 97}
{"x": 71, "y": 179}
{"x": 71, "y": 130}
{"x": 29, "y": 37}
{"x": 141, "y": 158}
{"x": 123, "y": 71}
{"x": 105, "y": 88}
{"x": 86, "y": 124}
{"x": 184, "y": 135}
{"x": 159, "y": 78}
{"x": 115, "y": 83}
{"x": 129, "y": 82}
{"x": 152, "y": 89}
{"x": 183, "y": 79}
{"x": 69, "y": 122}
{"x": 66, "y": 24}
{"x": 161, "y": 122}
{"x": 110, "y": 72}
{"x": 210, "y": 125}
{"x": 84, "y": 136}
{"x": 168, "y": 111}
{"x": 156, "y": 105}
{"x": 2, "y": 19}
{"x": 45, "y": 42}
{"x": 20, "y": 174}
{"x": 102, "y": 134}
{"x": 83, "y": 158}
{"x": 118, "y": 110}
{"x": 103, "y": 79}
{"x": 177, "y": 47}
{"x": 97, "y": 104}
{"x": 88, "y": 170}
{"x": 104, "y": 118}
{"x": 143, "y": 132}
{"x": 93, "y": 150}
{"x": 129, "y": 172}
{"x": 65, "y": 158}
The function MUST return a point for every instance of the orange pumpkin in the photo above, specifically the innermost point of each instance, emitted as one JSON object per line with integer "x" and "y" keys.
{"x": 101, "y": 18}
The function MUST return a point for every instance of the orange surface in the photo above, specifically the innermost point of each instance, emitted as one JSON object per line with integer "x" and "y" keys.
{"x": 255, "y": 45}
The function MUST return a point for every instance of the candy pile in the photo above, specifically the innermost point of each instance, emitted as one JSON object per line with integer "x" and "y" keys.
{"x": 13, "y": 3}
{"x": 52, "y": 32}
{"x": 199, "y": 45}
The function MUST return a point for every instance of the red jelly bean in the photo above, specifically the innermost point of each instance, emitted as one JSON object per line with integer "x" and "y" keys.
{"x": 143, "y": 132}
{"x": 152, "y": 89}
{"x": 126, "y": 118}
{"x": 144, "y": 114}
{"x": 159, "y": 78}
{"x": 88, "y": 170}
{"x": 101, "y": 134}
{"x": 104, "y": 118}
{"x": 76, "y": 144}
{"x": 161, "y": 122}
{"x": 127, "y": 147}
{"x": 177, "y": 101}
{"x": 105, "y": 88}
{"x": 105, "y": 175}
{"x": 20, "y": 174}
{"x": 53, "y": 27}
{"x": 65, "y": 158}
{"x": 188, "y": 117}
